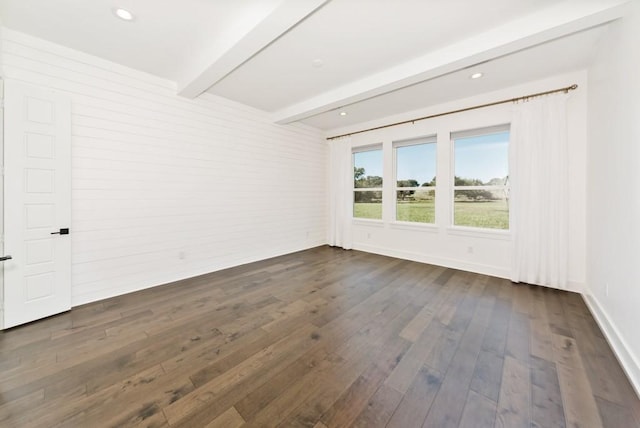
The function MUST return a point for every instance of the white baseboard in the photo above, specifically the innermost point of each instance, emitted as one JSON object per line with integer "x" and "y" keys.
{"x": 576, "y": 286}
{"x": 496, "y": 271}
{"x": 629, "y": 362}
{"x": 90, "y": 297}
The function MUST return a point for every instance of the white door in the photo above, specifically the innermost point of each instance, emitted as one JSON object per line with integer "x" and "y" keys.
{"x": 37, "y": 203}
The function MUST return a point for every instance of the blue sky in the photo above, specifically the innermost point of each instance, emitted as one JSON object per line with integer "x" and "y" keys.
{"x": 484, "y": 157}
{"x": 371, "y": 161}
{"x": 417, "y": 162}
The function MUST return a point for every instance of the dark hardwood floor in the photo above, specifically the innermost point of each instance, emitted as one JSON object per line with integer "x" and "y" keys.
{"x": 320, "y": 338}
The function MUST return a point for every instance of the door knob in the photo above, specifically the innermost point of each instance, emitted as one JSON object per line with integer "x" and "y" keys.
{"x": 61, "y": 232}
{"x": 3, "y": 258}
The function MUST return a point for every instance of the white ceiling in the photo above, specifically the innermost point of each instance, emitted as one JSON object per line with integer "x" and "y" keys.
{"x": 569, "y": 53}
{"x": 355, "y": 38}
{"x": 163, "y": 37}
{"x": 379, "y": 57}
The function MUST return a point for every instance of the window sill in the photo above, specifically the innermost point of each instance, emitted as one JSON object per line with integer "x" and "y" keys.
{"x": 408, "y": 225}
{"x": 501, "y": 235}
{"x": 367, "y": 222}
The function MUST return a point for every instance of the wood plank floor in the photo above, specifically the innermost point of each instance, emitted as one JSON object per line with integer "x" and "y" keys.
{"x": 319, "y": 338}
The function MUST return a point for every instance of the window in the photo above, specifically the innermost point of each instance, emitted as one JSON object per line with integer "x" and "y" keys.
{"x": 367, "y": 183}
{"x": 416, "y": 180}
{"x": 481, "y": 178}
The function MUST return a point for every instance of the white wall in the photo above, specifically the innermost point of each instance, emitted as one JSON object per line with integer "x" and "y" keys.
{"x": 613, "y": 231}
{"x": 2, "y": 253}
{"x": 156, "y": 177}
{"x": 487, "y": 253}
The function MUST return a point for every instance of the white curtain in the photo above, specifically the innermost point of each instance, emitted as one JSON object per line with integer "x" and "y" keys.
{"x": 340, "y": 189}
{"x": 538, "y": 161}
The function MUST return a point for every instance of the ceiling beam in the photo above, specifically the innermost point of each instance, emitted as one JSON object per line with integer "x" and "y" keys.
{"x": 560, "y": 20}
{"x": 286, "y": 15}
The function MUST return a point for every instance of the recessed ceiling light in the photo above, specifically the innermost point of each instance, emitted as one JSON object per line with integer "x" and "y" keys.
{"x": 123, "y": 14}
{"x": 476, "y": 75}
{"x": 317, "y": 63}
{"x": 343, "y": 113}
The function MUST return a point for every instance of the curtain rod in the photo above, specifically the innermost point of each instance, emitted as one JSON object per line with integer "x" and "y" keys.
{"x": 566, "y": 89}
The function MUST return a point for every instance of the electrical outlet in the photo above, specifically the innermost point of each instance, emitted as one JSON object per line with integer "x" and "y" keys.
{"x": 470, "y": 250}
{"x": 181, "y": 255}
{"x": 368, "y": 236}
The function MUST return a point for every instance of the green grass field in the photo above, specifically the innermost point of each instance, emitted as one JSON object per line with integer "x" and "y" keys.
{"x": 485, "y": 214}
{"x": 367, "y": 210}
{"x": 421, "y": 212}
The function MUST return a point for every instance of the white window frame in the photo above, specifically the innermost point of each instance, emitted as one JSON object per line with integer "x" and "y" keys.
{"x": 429, "y": 139}
{"x": 354, "y": 151}
{"x": 475, "y": 132}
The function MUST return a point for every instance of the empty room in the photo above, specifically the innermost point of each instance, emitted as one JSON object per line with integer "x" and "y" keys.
{"x": 319, "y": 213}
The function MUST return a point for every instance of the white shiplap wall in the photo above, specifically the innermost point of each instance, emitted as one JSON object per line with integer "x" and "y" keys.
{"x": 156, "y": 176}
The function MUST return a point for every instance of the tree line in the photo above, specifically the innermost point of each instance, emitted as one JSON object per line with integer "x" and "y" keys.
{"x": 363, "y": 181}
